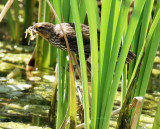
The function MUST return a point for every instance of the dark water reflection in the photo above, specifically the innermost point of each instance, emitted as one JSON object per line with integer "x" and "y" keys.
{"x": 30, "y": 107}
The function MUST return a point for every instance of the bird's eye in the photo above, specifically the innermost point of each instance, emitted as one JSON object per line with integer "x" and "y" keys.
{"x": 40, "y": 28}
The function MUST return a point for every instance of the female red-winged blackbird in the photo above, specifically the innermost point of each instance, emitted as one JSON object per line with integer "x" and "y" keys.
{"x": 53, "y": 34}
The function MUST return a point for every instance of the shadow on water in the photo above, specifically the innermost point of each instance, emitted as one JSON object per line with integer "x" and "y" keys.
{"x": 29, "y": 107}
{"x": 24, "y": 102}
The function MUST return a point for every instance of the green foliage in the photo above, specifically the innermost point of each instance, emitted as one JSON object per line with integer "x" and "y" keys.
{"x": 107, "y": 63}
{"x": 11, "y": 21}
{"x": 106, "y": 70}
{"x": 40, "y": 40}
{"x": 76, "y": 18}
{"x": 28, "y": 16}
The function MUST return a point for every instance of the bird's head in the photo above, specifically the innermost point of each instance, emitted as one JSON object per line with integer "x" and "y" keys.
{"x": 44, "y": 29}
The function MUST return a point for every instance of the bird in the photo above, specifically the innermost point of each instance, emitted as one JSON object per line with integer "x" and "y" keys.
{"x": 54, "y": 35}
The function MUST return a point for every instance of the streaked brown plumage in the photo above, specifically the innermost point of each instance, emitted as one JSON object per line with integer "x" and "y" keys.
{"x": 53, "y": 34}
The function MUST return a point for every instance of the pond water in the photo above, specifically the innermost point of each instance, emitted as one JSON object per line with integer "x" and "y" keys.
{"x": 25, "y": 102}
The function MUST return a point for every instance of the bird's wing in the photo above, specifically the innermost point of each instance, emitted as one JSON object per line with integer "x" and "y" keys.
{"x": 70, "y": 33}
{"x": 69, "y": 29}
